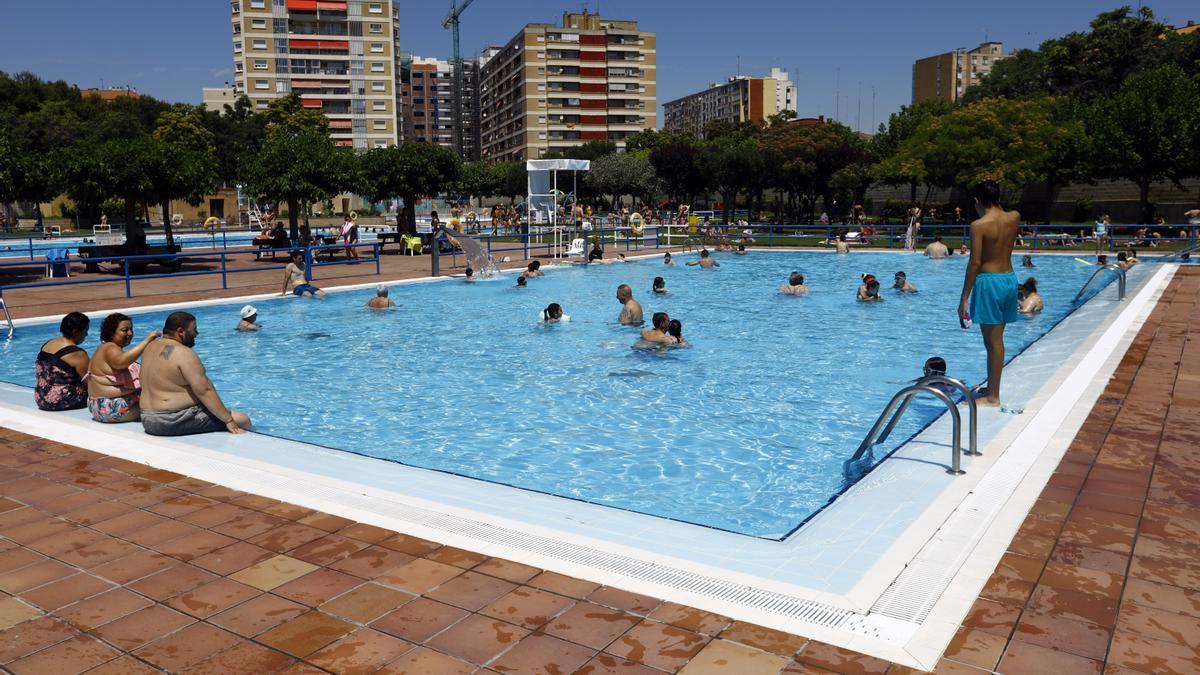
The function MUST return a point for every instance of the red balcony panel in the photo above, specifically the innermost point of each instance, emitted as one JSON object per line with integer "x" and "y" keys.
{"x": 335, "y": 44}
{"x": 592, "y": 56}
{"x": 341, "y": 124}
{"x": 593, "y": 119}
{"x": 332, "y": 6}
{"x": 306, "y": 84}
{"x": 594, "y": 135}
{"x": 336, "y": 84}
{"x": 592, "y": 72}
{"x": 344, "y": 142}
{"x": 591, "y": 104}
{"x": 295, "y": 43}
{"x": 593, "y": 40}
{"x": 302, "y": 5}
{"x": 311, "y": 103}
{"x": 593, "y": 87}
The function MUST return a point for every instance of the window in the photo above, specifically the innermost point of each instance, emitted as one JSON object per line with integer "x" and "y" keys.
{"x": 376, "y": 67}
{"x": 258, "y": 24}
{"x": 260, "y": 104}
{"x": 375, "y": 28}
{"x": 237, "y": 67}
{"x": 378, "y": 86}
{"x": 541, "y": 135}
{"x": 375, "y": 8}
{"x": 283, "y": 87}
{"x": 381, "y": 144}
{"x": 379, "y": 105}
{"x": 541, "y": 119}
{"x": 380, "y": 124}
{"x": 260, "y": 64}
{"x": 260, "y": 44}
{"x": 260, "y": 84}
{"x": 377, "y": 47}
{"x": 258, "y": 4}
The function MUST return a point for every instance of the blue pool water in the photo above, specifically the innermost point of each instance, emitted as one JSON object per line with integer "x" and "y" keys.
{"x": 746, "y": 430}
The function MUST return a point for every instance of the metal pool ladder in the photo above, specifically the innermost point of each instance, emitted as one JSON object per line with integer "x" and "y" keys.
{"x": 1179, "y": 254}
{"x": 7, "y": 317}
{"x": 899, "y": 403}
{"x": 1120, "y": 281}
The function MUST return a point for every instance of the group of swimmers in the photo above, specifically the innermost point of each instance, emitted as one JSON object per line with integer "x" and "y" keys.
{"x": 168, "y": 391}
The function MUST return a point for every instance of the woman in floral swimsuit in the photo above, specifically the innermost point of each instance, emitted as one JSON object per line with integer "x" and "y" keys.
{"x": 61, "y": 366}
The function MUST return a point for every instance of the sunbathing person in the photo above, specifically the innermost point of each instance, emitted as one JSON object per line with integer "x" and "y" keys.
{"x": 114, "y": 389}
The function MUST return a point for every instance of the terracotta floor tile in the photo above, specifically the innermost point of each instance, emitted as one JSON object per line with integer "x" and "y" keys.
{"x": 591, "y": 625}
{"x": 215, "y": 514}
{"x": 217, "y": 596}
{"x": 367, "y": 533}
{"x": 477, "y": 639}
{"x": 65, "y": 591}
{"x": 449, "y": 555}
{"x": 1007, "y": 591}
{"x": 135, "y": 630}
{"x": 528, "y": 607}
{"x": 690, "y": 618}
{"x": 1159, "y": 624}
{"x": 193, "y": 546}
{"x": 1075, "y": 578}
{"x": 1152, "y": 656}
{"x": 658, "y": 645}
{"x": 30, "y": 636}
{"x": 139, "y": 563}
{"x": 1067, "y": 635}
{"x": 366, "y": 603}
{"x": 32, "y": 576}
{"x": 1171, "y": 572}
{"x": 273, "y": 572}
{"x": 327, "y": 549}
{"x": 992, "y": 617}
{"x": 1108, "y": 538}
{"x": 618, "y": 599}
{"x": 540, "y": 653}
{"x": 471, "y": 591}
{"x": 172, "y": 581}
{"x": 181, "y": 506}
{"x": 220, "y": 493}
{"x": 13, "y": 612}
{"x": 371, "y": 562}
{"x": 976, "y": 648}
{"x": 103, "y": 608}
{"x": 249, "y": 525}
{"x": 766, "y": 639}
{"x": 607, "y": 664}
{"x": 363, "y": 651}
{"x": 563, "y": 585}
{"x": 287, "y": 537}
{"x": 233, "y": 558}
{"x": 1020, "y": 567}
{"x": 1091, "y": 558}
{"x": 1125, "y": 505}
{"x": 507, "y": 570}
{"x": 305, "y": 634}
{"x": 187, "y": 646}
{"x": 94, "y": 555}
{"x": 131, "y": 520}
{"x": 840, "y": 660}
{"x": 244, "y": 657}
{"x": 720, "y": 656}
{"x": 419, "y": 620}
{"x": 288, "y": 511}
{"x": 154, "y": 535}
{"x": 418, "y": 576}
{"x": 124, "y": 665}
{"x": 258, "y": 615}
{"x": 325, "y": 521}
{"x": 163, "y": 476}
{"x": 424, "y": 661}
{"x": 99, "y": 512}
{"x": 16, "y": 558}
{"x": 1162, "y": 596}
{"x": 317, "y": 587}
{"x": 1022, "y": 657}
{"x": 414, "y": 546}
{"x": 75, "y": 655}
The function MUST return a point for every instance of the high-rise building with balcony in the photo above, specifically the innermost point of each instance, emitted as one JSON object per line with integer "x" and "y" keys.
{"x": 555, "y": 87}
{"x": 949, "y": 75}
{"x": 427, "y": 102}
{"x": 342, "y": 56}
{"x": 741, "y": 99}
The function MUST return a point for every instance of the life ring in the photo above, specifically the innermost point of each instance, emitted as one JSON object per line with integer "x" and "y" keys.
{"x": 353, "y": 215}
{"x": 471, "y": 216}
{"x": 177, "y": 219}
{"x": 636, "y": 224}
{"x": 211, "y": 222}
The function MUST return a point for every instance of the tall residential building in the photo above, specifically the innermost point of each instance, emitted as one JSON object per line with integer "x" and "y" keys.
{"x": 741, "y": 99}
{"x": 216, "y": 98}
{"x": 341, "y": 56}
{"x": 949, "y": 75}
{"x": 427, "y": 102}
{"x": 555, "y": 87}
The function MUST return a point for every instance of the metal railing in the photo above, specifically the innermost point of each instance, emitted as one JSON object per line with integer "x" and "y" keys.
{"x": 7, "y": 317}
{"x": 1111, "y": 268}
{"x": 899, "y": 404}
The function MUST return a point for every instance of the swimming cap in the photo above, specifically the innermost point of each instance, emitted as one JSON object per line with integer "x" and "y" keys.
{"x": 248, "y": 311}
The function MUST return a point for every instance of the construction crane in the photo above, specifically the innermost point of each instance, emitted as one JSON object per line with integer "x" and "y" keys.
{"x": 451, "y": 22}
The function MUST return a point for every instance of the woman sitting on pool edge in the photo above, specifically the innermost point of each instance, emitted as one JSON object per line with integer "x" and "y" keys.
{"x": 869, "y": 290}
{"x": 294, "y": 274}
{"x": 114, "y": 390}
{"x": 61, "y": 366}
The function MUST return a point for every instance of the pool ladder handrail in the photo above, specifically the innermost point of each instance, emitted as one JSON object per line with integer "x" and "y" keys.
{"x": 900, "y": 402}
{"x": 1110, "y": 267}
{"x": 8, "y": 318}
{"x": 1178, "y": 254}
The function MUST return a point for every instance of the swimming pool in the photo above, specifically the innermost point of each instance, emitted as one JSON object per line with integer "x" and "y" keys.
{"x": 744, "y": 431}
{"x": 23, "y": 248}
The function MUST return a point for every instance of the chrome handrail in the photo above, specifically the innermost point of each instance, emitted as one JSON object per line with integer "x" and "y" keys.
{"x": 8, "y": 318}
{"x": 1111, "y": 267}
{"x": 972, "y": 407}
{"x": 1178, "y": 254}
{"x": 902, "y": 396}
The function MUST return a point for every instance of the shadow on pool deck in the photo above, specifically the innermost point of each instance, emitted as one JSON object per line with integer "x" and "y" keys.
{"x": 109, "y": 566}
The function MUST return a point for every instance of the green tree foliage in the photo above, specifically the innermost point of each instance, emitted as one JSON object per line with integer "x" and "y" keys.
{"x": 623, "y": 173}
{"x": 238, "y": 134}
{"x": 1149, "y": 131}
{"x": 730, "y": 162}
{"x": 677, "y": 164}
{"x": 479, "y": 179}
{"x": 590, "y": 150}
{"x": 410, "y": 172}
{"x": 192, "y": 171}
{"x": 124, "y": 168}
{"x": 298, "y": 166}
{"x": 900, "y": 127}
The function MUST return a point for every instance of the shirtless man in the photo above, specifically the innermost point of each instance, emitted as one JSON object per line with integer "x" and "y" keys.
{"x": 937, "y": 250}
{"x": 381, "y": 299}
{"x": 989, "y": 295}
{"x": 658, "y": 334}
{"x": 795, "y": 285}
{"x": 705, "y": 262}
{"x": 631, "y": 311}
{"x": 177, "y": 397}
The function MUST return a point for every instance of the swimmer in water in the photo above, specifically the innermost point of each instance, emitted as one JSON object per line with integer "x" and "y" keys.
{"x": 660, "y": 285}
{"x": 902, "y": 284}
{"x": 1029, "y": 301}
{"x": 658, "y": 333}
{"x": 869, "y": 290}
{"x": 667, "y": 260}
{"x": 521, "y": 281}
{"x": 741, "y": 249}
{"x": 535, "y": 269}
{"x": 553, "y": 313}
{"x": 675, "y": 330}
{"x": 795, "y": 285}
{"x": 1027, "y": 261}
{"x": 704, "y": 262}
{"x": 842, "y": 247}
{"x": 631, "y": 310}
{"x": 381, "y": 299}
{"x": 469, "y": 275}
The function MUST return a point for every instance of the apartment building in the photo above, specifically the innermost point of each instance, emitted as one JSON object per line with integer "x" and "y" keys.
{"x": 427, "y": 102}
{"x": 949, "y": 75}
{"x": 341, "y": 56}
{"x": 740, "y": 99}
{"x": 555, "y": 87}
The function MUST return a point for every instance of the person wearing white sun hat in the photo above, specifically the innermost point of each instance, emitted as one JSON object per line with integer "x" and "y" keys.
{"x": 249, "y": 317}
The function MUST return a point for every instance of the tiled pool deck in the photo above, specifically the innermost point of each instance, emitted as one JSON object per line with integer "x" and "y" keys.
{"x": 108, "y": 566}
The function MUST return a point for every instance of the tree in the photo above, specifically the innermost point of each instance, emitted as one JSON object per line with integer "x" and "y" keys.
{"x": 238, "y": 134}
{"x": 478, "y": 179}
{"x": 191, "y": 170}
{"x": 591, "y": 150}
{"x": 298, "y": 166}
{"x": 125, "y": 169}
{"x": 1149, "y": 131}
{"x": 729, "y": 162}
{"x": 408, "y": 171}
{"x": 900, "y": 127}
{"x": 677, "y": 166}
{"x": 623, "y": 173}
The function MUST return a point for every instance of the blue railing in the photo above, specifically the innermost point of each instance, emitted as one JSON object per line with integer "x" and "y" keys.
{"x": 311, "y": 262}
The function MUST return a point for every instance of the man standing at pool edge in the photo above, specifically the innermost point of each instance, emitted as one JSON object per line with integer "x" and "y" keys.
{"x": 990, "y": 285}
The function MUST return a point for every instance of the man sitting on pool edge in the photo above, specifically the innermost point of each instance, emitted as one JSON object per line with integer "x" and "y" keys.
{"x": 178, "y": 399}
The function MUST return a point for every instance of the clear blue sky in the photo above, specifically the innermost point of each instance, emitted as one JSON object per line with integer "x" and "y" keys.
{"x": 172, "y": 48}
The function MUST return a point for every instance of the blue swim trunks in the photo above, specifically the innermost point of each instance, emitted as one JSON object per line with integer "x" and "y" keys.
{"x": 309, "y": 288}
{"x": 994, "y": 298}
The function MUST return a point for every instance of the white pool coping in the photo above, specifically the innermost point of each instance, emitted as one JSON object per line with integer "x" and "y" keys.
{"x": 743, "y": 577}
